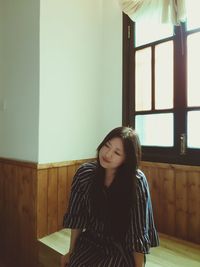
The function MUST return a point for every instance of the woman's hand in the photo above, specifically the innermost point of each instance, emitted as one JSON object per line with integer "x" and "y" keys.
{"x": 65, "y": 259}
{"x": 139, "y": 259}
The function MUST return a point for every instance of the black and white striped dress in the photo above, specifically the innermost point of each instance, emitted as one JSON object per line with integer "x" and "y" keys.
{"x": 93, "y": 247}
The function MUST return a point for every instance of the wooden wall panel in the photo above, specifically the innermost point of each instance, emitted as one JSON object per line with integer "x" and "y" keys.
{"x": 18, "y": 215}
{"x": 11, "y": 234}
{"x": 42, "y": 203}
{"x": 175, "y": 193}
{"x": 52, "y": 199}
{"x": 53, "y": 192}
{"x": 181, "y": 204}
{"x": 2, "y": 204}
{"x": 26, "y": 214}
{"x": 34, "y": 198}
{"x": 155, "y": 196}
{"x": 168, "y": 201}
{"x": 62, "y": 194}
{"x": 71, "y": 173}
{"x": 194, "y": 206}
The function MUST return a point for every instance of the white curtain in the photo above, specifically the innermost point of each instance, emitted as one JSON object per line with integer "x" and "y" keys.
{"x": 164, "y": 11}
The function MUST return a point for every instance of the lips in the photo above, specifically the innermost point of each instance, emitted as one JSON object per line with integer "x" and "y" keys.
{"x": 105, "y": 160}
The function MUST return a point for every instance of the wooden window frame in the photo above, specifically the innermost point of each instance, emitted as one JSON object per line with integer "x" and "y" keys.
{"x": 158, "y": 154}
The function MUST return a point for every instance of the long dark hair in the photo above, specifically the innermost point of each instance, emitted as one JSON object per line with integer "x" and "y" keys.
{"x": 113, "y": 206}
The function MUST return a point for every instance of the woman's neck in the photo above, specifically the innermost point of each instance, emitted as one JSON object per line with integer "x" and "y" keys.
{"x": 109, "y": 177}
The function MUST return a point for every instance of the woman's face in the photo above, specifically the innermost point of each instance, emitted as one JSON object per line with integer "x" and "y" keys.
{"x": 112, "y": 154}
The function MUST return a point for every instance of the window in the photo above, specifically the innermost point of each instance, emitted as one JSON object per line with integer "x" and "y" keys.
{"x": 161, "y": 87}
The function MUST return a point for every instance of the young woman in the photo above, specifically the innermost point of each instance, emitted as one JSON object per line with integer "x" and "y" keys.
{"x": 110, "y": 212}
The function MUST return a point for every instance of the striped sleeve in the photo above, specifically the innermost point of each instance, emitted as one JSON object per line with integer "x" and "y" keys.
{"x": 144, "y": 233}
{"x": 76, "y": 216}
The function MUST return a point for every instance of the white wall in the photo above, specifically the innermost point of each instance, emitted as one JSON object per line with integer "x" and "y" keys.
{"x": 80, "y": 77}
{"x": 1, "y": 70}
{"x": 111, "y": 104}
{"x": 19, "y": 80}
{"x": 61, "y": 77}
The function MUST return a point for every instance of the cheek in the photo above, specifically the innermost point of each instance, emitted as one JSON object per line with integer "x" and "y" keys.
{"x": 100, "y": 152}
{"x": 119, "y": 162}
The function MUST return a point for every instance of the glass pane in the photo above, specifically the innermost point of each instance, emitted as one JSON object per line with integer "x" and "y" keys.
{"x": 147, "y": 127}
{"x": 193, "y": 18}
{"x": 193, "y": 131}
{"x": 193, "y": 94}
{"x": 143, "y": 79}
{"x": 147, "y": 32}
{"x": 164, "y": 75}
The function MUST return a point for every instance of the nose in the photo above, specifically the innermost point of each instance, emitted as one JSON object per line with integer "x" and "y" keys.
{"x": 108, "y": 154}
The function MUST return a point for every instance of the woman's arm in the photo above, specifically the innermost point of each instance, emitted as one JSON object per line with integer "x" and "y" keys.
{"x": 74, "y": 236}
{"x": 139, "y": 259}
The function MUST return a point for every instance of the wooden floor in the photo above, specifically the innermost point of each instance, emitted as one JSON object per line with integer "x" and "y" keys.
{"x": 174, "y": 253}
{"x": 171, "y": 252}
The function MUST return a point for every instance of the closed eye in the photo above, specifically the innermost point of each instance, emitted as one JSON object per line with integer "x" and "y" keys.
{"x": 107, "y": 144}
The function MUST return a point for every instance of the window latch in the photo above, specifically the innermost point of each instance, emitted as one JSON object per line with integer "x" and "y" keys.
{"x": 129, "y": 32}
{"x": 183, "y": 144}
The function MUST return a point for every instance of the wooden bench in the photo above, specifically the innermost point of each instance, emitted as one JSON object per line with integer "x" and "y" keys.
{"x": 52, "y": 247}
{"x": 172, "y": 252}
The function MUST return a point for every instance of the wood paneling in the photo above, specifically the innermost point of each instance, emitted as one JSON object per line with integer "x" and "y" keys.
{"x": 181, "y": 204}
{"x": 52, "y": 199}
{"x": 175, "y": 193}
{"x": 26, "y": 199}
{"x": 2, "y": 209}
{"x": 53, "y": 196}
{"x": 194, "y": 207}
{"x": 18, "y": 214}
{"x": 62, "y": 194}
{"x": 42, "y": 203}
{"x": 34, "y": 198}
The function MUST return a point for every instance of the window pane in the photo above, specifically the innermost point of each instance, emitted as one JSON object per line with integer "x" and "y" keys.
{"x": 193, "y": 94}
{"x": 143, "y": 79}
{"x": 147, "y": 32}
{"x": 193, "y": 18}
{"x": 193, "y": 130}
{"x": 164, "y": 75}
{"x": 155, "y": 129}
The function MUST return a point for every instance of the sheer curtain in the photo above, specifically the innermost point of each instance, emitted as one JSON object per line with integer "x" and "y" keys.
{"x": 164, "y": 11}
